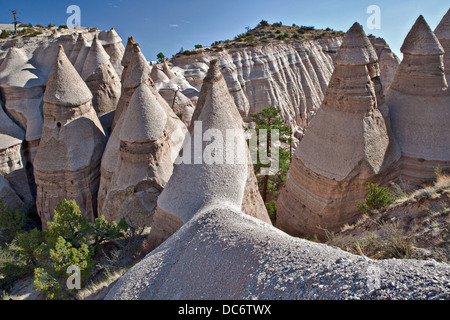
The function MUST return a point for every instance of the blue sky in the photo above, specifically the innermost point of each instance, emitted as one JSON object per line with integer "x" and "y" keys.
{"x": 168, "y": 26}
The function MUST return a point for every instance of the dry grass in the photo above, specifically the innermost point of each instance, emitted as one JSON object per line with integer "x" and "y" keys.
{"x": 416, "y": 226}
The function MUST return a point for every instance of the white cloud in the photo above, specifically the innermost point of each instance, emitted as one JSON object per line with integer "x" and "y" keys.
{"x": 174, "y": 26}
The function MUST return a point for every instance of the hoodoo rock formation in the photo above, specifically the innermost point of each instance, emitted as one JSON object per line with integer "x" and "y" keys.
{"x": 442, "y": 32}
{"x": 348, "y": 144}
{"x": 22, "y": 87}
{"x": 147, "y": 153}
{"x": 211, "y": 170}
{"x": 173, "y": 90}
{"x": 101, "y": 78}
{"x": 113, "y": 45}
{"x": 14, "y": 182}
{"x": 126, "y": 59}
{"x": 419, "y": 103}
{"x": 67, "y": 164}
{"x": 137, "y": 73}
{"x": 81, "y": 50}
{"x": 222, "y": 253}
{"x": 387, "y": 61}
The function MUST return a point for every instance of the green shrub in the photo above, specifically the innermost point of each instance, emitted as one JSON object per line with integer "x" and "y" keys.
{"x": 5, "y": 34}
{"x": 198, "y": 46}
{"x": 272, "y": 209}
{"x": 11, "y": 222}
{"x": 377, "y": 198}
{"x": 50, "y": 280}
{"x": 263, "y": 23}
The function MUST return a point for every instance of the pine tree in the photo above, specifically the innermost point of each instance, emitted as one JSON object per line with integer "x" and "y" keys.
{"x": 269, "y": 119}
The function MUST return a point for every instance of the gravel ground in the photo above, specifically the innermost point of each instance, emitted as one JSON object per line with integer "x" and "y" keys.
{"x": 224, "y": 254}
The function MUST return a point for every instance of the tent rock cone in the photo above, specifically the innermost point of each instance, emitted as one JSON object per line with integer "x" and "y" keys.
{"x": 348, "y": 144}
{"x": 68, "y": 159}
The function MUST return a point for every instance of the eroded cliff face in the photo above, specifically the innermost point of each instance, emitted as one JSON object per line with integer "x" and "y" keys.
{"x": 291, "y": 76}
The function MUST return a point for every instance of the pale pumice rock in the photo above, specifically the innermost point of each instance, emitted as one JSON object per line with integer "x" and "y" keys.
{"x": 290, "y": 77}
{"x": 158, "y": 75}
{"x": 83, "y": 48}
{"x": 167, "y": 71}
{"x": 145, "y": 164}
{"x": 67, "y": 164}
{"x": 9, "y": 196}
{"x": 79, "y": 45}
{"x": 348, "y": 144}
{"x": 22, "y": 88}
{"x": 102, "y": 79}
{"x": 173, "y": 91}
{"x": 138, "y": 72}
{"x": 442, "y": 32}
{"x": 113, "y": 45}
{"x": 419, "y": 103}
{"x": 222, "y": 254}
{"x": 387, "y": 60}
{"x": 11, "y": 163}
{"x": 126, "y": 59}
{"x": 212, "y": 171}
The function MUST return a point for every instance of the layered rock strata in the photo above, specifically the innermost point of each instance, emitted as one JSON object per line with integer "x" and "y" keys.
{"x": 145, "y": 163}
{"x": 291, "y": 77}
{"x": 113, "y": 45}
{"x": 387, "y": 60}
{"x": 211, "y": 171}
{"x": 22, "y": 88}
{"x": 137, "y": 73}
{"x": 12, "y": 168}
{"x": 419, "y": 103}
{"x": 442, "y": 32}
{"x": 67, "y": 164}
{"x": 348, "y": 144}
{"x": 102, "y": 79}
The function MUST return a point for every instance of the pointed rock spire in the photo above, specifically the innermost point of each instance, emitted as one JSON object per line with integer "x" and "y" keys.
{"x": 148, "y": 142}
{"x": 84, "y": 47}
{"x": 419, "y": 103}
{"x": 126, "y": 60}
{"x": 356, "y": 48}
{"x": 167, "y": 70}
{"x": 139, "y": 69}
{"x": 157, "y": 75}
{"x": 79, "y": 46}
{"x": 421, "y": 40}
{"x": 67, "y": 162}
{"x": 15, "y": 59}
{"x": 113, "y": 45}
{"x": 65, "y": 86}
{"x": 348, "y": 144}
{"x": 442, "y": 31}
{"x": 145, "y": 119}
{"x": 218, "y": 179}
{"x": 109, "y": 37}
{"x": 137, "y": 72}
{"x": 96, "y": 57}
